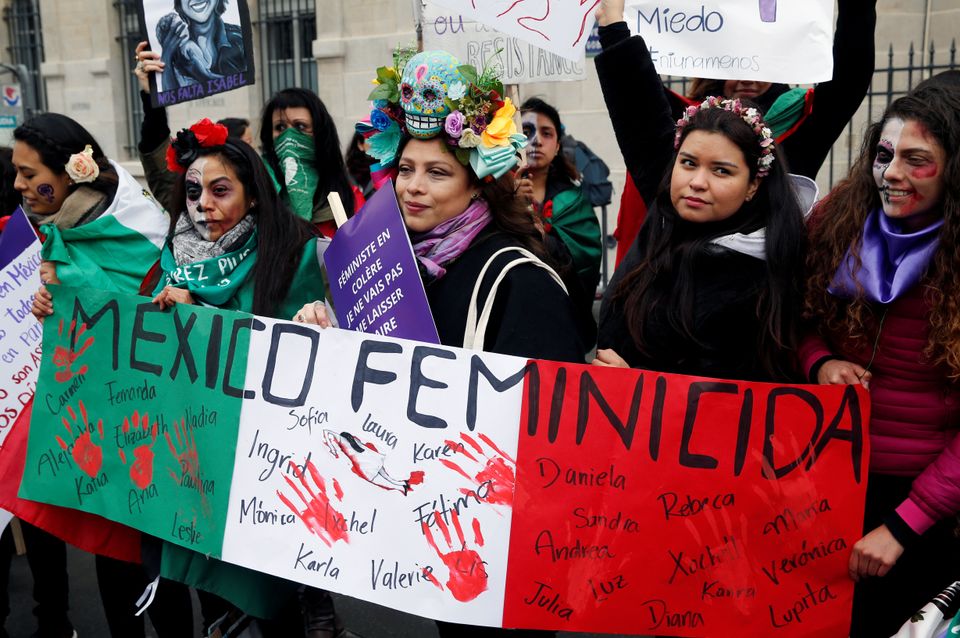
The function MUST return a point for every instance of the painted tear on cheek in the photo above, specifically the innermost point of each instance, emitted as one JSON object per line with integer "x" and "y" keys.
{"x": 46, "y": 192}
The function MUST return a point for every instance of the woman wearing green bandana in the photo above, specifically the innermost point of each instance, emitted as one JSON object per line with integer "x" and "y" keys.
{"x": 302, "y": 152}
{"x": 233, "y": 245}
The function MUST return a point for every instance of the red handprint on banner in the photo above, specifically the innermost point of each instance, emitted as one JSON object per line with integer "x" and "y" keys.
{"x": 64, "y": 358}
{"x": 467, "y": 575}
{"x": 185, "y": 452}
{"x": 495, "y": 470}
{"x": 141, "y": 472}
{"x": 87, "y": 454}
{"x": 318, "y": 514}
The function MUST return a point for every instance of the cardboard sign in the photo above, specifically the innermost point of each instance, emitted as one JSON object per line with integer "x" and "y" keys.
{"x": 486, "y": 489}
{"x": 479, "y": 45}
{"x": 206, "y": 52}
{"x": 559, "y": 27}
{"x": 768, "y": 40}
{"x": 134, "y": 410}
{"x": 20, "y": 332}
{"x": 374, "y": 280}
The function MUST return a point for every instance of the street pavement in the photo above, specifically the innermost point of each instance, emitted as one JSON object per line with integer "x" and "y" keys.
{"x": 364, "y": 619}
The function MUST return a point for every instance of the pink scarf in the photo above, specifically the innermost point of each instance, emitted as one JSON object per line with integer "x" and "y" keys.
{"x": 447, "y": 240}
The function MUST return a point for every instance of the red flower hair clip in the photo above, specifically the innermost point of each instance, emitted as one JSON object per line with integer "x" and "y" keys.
{"x": 185, "y": 148}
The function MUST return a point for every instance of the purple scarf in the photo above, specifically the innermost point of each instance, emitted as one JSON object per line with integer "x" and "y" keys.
{"x": 446, "y": 241}
{"x": 893, "y": 262}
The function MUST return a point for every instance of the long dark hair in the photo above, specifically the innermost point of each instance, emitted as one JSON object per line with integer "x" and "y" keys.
{"x": 561, "y": 166}
{"x": 510, "y": 215}
{"x": 56, "y": 137}
{"x": 331, "y": 170}
{"x": 667, "y": 275}
{"x": 840, "y": 218}
{"x": 358, "y": 162}
{"x": 10, "y": 198}
{"x": 281, "y": 234}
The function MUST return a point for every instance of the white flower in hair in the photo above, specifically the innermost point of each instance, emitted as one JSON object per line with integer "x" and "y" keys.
{"x": 81, "y": 167}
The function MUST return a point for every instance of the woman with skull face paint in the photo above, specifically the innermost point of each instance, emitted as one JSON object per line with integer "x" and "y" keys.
{"x": 550, "y": 183}
{"x": 231, "y": 213}
{"x": 884, "y": 296}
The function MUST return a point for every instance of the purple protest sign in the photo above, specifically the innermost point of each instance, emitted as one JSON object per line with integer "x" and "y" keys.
{"x": 374, "y": 281}
{"x": 17, "y": 235}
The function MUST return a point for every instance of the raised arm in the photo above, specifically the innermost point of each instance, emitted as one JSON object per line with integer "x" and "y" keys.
{"x": 836, "y": 101}
{"x": 635, "y": 100}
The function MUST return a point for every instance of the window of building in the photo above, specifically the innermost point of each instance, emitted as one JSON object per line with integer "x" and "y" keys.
{"x": 131, "y": 33}
{"x": 287, "y": 31}
{"x": 26, "y": 48}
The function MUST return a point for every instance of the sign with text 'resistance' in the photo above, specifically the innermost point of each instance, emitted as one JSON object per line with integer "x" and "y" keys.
{"x": 486, "y": 489}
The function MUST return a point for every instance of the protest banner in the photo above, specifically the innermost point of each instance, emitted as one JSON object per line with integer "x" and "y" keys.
{"x": 486, "y": 489}
{"x": 559, "y": 27}
{"x": 374, "y": 280}
{"x": 480, "y": 46}
{"x": 134, "y": 409}
{"x": 205, "y": 51}
{"x": 20, "y": 332}
{"x": 738, "y": 40}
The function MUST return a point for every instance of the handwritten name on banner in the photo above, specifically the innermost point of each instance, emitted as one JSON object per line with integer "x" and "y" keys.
{"x": 485, "y": 489}
{"x": 480, "y": 45}
{"x": 20, "y": 332}
{"x": 133, "y": 412}
{"x": 738, "y": 40}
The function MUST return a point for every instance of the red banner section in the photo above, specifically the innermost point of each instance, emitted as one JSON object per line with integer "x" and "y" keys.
{"x": 662, "y": 504}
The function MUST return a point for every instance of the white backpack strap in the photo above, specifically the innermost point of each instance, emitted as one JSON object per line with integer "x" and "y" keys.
{"x": 475, "y": 330}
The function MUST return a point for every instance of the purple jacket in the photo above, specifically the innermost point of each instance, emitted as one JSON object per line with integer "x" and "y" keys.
{"x": 914, "y": 414}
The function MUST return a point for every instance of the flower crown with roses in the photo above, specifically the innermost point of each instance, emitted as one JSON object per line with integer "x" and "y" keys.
{"x": 749, "y": 115}
{"x": 185, "y": 147}
{"x": 479, "y": 128}
{"x": 81, "y": 167}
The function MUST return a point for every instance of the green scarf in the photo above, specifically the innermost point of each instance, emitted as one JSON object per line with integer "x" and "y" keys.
{"x": 215, "y": 281}
{"x": 786, "y": 111}
{"x": 298, "y": 161}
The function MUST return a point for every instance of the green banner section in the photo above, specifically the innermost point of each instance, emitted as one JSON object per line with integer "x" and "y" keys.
{"x": 136, "y": 413}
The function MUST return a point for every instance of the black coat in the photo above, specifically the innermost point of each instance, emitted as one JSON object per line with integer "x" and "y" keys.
{"x": 532, "y": 317}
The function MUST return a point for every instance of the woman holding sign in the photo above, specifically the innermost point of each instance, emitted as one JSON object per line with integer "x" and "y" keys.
{"x": 883, "y": 294}
{"x": 711, "y": 286}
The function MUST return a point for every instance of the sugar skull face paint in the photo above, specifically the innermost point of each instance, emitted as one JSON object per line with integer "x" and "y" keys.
{"x": 908, "y": 171}
{"x": 215, "y": 198}
{"x": 543, "y": 140}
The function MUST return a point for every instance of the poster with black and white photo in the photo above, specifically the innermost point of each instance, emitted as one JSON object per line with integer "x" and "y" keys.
{"x": 206, "y": 46}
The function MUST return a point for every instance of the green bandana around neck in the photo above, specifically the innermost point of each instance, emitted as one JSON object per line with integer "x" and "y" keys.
{"x": 297, "y": 157}
{"x": 214, "y": 281}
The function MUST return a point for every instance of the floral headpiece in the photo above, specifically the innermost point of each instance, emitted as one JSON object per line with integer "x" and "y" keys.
{"x": 185, "y": 147}
{"x": 81, "y": 167}
{"x": 749, "y": 115}
{"x": 434, "y": 96}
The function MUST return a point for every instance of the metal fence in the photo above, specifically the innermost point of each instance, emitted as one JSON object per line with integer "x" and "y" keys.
{"x": 131, "y": 32}
{"x": 287, "y": 31}
{"x": 26, "y": 45}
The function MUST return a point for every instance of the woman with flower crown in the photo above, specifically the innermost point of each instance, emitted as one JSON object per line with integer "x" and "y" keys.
{"x": 100, "y": 230}
{"x": 450, "y": 137}
{"x": 711, "y": 287}
{"x": 230, "y": 220}
{"x": 884, "y": 302}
